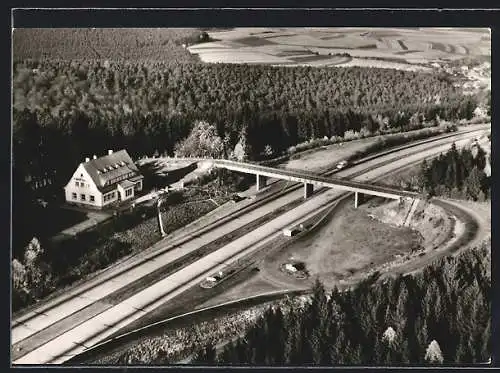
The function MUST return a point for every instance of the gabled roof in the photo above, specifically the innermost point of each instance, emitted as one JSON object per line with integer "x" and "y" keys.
{"x": 107, "y": 170}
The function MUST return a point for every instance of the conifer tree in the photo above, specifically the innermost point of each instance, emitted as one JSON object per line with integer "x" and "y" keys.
{"x": 433, "y": 353}
{"x": 474, "y": 183}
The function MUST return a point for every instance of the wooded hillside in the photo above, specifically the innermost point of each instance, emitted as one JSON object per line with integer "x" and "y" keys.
{"x": 132, "y": 44}
{"x": 66, "y": 110}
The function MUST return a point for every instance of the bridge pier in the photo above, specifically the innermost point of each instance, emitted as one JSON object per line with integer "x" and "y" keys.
{"x": 261, "y": 182}
{"x": 358, "y": 199}
{"x": 308, "y": 190}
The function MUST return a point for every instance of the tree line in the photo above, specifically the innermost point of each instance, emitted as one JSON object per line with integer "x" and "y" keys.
{"x": 457, "y": 174}
{"x": 439, "y": 316}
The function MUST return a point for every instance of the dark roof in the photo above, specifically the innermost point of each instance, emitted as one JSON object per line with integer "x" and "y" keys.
{"x": 106, "y": 171}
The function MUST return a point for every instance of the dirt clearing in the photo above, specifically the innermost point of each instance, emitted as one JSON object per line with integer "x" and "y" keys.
{"x": 431, "y": 221}
{"x": 351, "y": 245}
{"x": 352, "y": 242}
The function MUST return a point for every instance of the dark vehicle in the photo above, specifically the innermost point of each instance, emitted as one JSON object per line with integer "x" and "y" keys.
{"x": 237, "y": 198}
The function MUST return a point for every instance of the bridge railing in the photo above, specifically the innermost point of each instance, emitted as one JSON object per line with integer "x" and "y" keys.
{"x": 306, "y": 175}
{"x": 315, "y": 177}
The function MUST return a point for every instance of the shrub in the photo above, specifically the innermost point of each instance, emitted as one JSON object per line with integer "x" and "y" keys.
{"x": 351, "y": 135}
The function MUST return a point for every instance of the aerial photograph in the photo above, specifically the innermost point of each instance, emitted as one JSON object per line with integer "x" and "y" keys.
{"x": 251, "y": 196}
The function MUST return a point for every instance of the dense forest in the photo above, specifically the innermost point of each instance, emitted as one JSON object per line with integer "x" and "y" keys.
{"x": 439, "y": 316}
{"x": 66, "y": 110}
{"x": 457, "y": 174}
{"x": 132, "y": 44}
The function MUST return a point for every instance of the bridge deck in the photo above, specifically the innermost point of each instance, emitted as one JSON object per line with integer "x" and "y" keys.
{"x": 311, "y": 178}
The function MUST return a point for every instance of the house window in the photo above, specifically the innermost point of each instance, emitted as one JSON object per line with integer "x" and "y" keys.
{"x": 82, "y": 197}
{"x": 77, "y": 183}
{"x": 92, "y": 199}
{"x": 128, "y": 192}
{"x": 73, "y": 195}
{"x": 109, "y": 196}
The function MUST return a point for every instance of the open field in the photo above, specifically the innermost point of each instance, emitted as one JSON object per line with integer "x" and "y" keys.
{"x": 396, "y": 48}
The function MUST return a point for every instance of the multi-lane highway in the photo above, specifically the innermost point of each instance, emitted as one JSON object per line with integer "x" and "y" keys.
{"x": 88, "y": 314}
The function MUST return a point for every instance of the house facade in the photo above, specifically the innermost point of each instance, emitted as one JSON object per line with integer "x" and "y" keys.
{"x": 100, "y": 182}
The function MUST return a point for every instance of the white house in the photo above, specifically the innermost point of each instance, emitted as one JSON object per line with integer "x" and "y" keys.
{"x": 103, "y": 181}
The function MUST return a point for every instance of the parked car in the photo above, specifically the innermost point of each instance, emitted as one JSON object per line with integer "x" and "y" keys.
{"x": 237, "y": 198}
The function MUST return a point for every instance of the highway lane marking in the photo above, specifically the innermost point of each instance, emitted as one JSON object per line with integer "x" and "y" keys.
{"x": 37, "y": 338}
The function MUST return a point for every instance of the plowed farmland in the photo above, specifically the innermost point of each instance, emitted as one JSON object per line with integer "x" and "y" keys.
{"x": 404, "y": 49}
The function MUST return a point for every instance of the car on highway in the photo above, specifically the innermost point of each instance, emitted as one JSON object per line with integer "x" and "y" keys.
{"x": 290, "y": 232}
{"x": 341, "y": 165}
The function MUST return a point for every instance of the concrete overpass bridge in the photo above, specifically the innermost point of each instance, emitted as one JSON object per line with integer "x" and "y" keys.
{"x": 311, "y": 180}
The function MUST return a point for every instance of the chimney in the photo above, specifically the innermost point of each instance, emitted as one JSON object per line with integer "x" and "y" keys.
{"x": 110, "y": 152}
{"x": 94, "y": 157}
{"x": 87, "y": 159}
